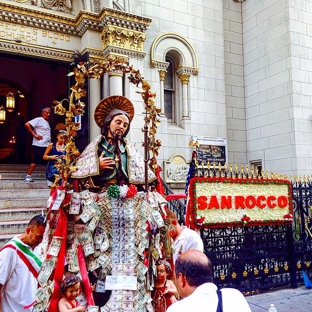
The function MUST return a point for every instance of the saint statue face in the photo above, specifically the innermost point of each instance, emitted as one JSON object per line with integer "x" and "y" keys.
{"x": 118, "y": 126}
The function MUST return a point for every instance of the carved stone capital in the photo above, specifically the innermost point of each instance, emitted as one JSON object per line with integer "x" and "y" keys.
{"x": 162, "y": 74}
{"x": 185, "y": 78}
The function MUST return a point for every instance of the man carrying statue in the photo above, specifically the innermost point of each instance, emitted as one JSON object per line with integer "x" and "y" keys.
{"x": 114, "y": 224}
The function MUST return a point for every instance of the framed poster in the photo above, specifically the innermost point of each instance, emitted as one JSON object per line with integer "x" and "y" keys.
{"x": 211, "y": 150}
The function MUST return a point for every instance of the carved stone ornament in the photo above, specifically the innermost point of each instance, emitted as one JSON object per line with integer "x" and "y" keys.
{"x": 123, "y": 38}
{"x": 176, "y": 169}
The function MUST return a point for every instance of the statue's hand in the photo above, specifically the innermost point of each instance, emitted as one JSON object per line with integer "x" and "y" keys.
{"x": 106, "y": 162}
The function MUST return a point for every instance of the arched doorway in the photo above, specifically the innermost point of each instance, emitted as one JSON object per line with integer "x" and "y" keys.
{"x": 35, "y": 83}
{"x": 13, "y": 143}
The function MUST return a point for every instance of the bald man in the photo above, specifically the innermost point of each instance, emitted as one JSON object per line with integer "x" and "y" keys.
{"x": 193, "y": 274}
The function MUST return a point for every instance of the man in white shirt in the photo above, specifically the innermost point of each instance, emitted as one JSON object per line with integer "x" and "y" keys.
{"x": 19, "y": 268}
{"x": 40, "y": 129}
{"x": 193, "y": 274}
{"x": 183, "y": 238}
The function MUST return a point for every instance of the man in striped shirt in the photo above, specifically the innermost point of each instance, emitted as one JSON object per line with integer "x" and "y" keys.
{"x": 19, "y": 268}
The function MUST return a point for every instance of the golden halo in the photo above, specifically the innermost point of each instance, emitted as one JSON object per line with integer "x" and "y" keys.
{"x": 108, "y": 104}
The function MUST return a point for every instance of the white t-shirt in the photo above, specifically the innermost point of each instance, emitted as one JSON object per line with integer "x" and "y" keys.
{"x": 187, "y": 240}
{"x": 205, "y": 299}
{"x": 19, "y": 284}
{"x": 41, "y": 127}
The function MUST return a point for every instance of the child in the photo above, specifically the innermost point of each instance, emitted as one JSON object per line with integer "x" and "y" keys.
{"x": 70, "y": 289}
{"x": 165, "y": 291}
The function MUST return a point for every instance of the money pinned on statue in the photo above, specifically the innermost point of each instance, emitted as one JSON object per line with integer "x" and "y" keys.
{"x": 59, "y": 199}
{"x": 74, "y": 203}
{"x": 47, "y": 267}
{"x": 55, "y": 246}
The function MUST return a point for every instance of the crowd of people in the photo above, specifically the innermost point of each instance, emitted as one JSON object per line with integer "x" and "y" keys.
{"x": 110, "y": 165}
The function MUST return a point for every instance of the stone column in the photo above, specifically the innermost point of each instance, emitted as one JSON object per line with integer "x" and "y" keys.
{"x": 127, "y": 6}
{"x": 95, "y": 97}
{"x": 185, "y": 109}
{"x": 115, "y": 83}
{"x": 162, "y": 74}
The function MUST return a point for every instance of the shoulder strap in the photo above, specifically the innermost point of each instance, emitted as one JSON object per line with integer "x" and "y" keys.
{"x": 219, "y": 307}
{"x": 27, "y": 252}
{"x": 31, "y": 260}
{"x": 73, "y": 305}
{"x": 23, "y": 258}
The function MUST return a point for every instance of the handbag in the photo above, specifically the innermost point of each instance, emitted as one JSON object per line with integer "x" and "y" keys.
{"x": 51, "y": 171}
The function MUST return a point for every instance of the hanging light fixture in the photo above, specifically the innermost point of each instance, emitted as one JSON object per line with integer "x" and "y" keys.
{"x": 2, "y": 115}
{"x": 10, "y": 102}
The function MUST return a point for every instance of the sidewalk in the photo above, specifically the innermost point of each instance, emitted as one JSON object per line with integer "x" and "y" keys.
{"x": 285, "y": 300}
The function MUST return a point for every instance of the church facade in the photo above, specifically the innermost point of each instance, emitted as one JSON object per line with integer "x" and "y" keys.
{"x": 235, "y": 75}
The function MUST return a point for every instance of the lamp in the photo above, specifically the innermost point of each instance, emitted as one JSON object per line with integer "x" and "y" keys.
{"x": 2, "y": 115}
{"x": 10, "y": 102}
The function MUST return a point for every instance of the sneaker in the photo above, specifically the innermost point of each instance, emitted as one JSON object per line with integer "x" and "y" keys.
{"x": 28, "y": 178}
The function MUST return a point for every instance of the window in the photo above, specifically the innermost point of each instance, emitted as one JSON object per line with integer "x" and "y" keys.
{"x": 172, "y": 53}
{"x": 256, "y": 165}
{"x": 169, "y": 91}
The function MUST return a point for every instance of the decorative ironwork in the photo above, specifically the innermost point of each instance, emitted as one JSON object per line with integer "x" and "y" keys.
{"x": 249, "y": 258}
{"x": 177, "y": 205}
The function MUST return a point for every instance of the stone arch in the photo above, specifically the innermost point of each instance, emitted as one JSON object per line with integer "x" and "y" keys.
{"x": 174, "y": 44}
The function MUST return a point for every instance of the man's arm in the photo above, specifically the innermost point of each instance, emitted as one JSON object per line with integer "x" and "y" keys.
{"x": 30, "y": 129}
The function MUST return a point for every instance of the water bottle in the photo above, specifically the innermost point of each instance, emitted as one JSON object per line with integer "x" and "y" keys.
{"x": 272, "y": 308}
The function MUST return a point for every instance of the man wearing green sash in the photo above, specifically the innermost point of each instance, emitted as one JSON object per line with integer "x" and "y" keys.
{"x": 19, "y": 268}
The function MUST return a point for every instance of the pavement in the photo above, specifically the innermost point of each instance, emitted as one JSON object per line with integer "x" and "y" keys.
{"x": 285, "y": 300}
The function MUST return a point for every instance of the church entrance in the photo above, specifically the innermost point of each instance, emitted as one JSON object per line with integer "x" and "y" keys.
{"x": 27, "y": 85}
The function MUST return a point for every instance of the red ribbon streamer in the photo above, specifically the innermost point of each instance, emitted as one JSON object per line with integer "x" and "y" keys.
{"x": 85, "y": 278}
{"x": 160, "y": 186}
{"x": 61, "y": 231}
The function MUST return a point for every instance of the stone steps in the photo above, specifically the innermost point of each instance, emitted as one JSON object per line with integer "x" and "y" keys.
{"x": 18, "y": 172}
{"x": 20, "y": 201}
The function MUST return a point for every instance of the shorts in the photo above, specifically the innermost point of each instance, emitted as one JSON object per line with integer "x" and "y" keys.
{"x": 38, "y": 155}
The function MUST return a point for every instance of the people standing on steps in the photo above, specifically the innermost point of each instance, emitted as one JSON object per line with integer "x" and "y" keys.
{"x": 19, "y": 267}
{"x": 40, "y": 130}
{"x": 52, "y": 153}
